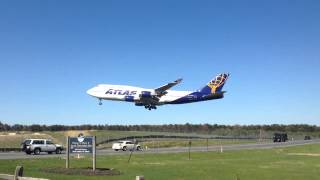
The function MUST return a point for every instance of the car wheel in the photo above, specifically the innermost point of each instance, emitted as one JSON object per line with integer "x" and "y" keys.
{"x": 49, "y": 152}
{"x": 28, "y": 152}
{"x": 116, "y": 149}
{"x": 124, "y": 148}
{"x": 58, "y": 151}
{"x": 37, "y": 151}
{"x": 138, "y": 148}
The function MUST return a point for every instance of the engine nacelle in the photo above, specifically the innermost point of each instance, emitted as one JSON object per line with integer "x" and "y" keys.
{"x": 129, "y": 98}
{"x": 145, "y": 94}
{"x": 139, "y": 104}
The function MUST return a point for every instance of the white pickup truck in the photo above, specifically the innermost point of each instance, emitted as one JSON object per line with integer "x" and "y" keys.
{"x": 126, "y": 145}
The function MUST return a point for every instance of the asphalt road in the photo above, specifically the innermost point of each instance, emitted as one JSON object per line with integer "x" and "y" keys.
{"x": 231, "y": 147}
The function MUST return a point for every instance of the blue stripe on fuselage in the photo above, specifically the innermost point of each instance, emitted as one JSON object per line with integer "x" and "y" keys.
{"x": 195, "y": 97}
{"x": 192, "y": 97}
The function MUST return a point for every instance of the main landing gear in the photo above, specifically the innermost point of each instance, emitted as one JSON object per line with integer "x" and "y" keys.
{"x": 100, "y": 102}
{"x": 150, "y": 107}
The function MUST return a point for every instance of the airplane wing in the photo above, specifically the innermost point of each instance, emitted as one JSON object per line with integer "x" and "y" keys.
{"x": 160, "y": 91}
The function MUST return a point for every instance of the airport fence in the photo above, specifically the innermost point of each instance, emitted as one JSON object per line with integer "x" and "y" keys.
{"x": 157, "y": 137}
{"x": 171, "y": 141}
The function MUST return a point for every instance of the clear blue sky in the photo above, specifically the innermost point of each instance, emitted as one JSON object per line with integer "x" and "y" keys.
{"x": 51, "y": 52}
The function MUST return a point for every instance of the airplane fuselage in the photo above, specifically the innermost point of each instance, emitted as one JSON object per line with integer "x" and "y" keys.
{"x": 150, "y": 98}
{"x": 133, "y": 94}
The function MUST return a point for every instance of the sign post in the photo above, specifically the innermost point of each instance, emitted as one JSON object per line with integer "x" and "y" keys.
{"x": 189, "y": 148}
{"x": 67, "y": 153}
{"x": 94, "y": 154}
{"x": 81, "y": 144}
{"x": 207, "y": 144}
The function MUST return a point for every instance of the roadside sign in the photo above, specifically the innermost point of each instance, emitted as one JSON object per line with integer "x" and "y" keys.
{"x": 81, "y": 144}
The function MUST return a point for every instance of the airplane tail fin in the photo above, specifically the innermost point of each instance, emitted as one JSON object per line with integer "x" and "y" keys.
{"x": 215, "y": 85}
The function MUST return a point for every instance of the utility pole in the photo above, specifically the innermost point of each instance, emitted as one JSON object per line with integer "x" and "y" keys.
{"x": 207, "y": 144}
{"x": 189, "y": 148}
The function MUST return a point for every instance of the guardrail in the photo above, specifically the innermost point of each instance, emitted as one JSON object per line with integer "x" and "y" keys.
{"x": 18, "y": 175}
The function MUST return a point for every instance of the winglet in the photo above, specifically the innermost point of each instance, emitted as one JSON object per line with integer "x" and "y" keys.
{"x": 178, "y": 81}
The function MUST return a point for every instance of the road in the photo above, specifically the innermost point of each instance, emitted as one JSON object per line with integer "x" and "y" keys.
{"x": 231, "y": 147}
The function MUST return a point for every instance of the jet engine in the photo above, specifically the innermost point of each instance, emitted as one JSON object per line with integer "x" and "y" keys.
{"x": 145, "y": 94}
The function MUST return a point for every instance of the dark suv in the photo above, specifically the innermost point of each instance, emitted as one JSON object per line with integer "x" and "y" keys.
{"x": 280, "y": 137}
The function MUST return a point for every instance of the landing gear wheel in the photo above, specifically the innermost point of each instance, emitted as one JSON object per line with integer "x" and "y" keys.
{"x": 150, "y": 107}
{"x": 100, "y": 103}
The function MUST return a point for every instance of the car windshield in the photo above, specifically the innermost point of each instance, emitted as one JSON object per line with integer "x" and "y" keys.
{"x": 38, "y": 142}
{"x": 120, "y": 142}
{"x": 27, "y": 142}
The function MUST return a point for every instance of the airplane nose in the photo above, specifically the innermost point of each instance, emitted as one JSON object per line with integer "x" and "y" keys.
{"x": 91, "y": 92}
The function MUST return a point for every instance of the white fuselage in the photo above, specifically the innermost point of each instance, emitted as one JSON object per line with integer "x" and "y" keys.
{"x": 121, "y": 92}
{"x": 151, "y": 98}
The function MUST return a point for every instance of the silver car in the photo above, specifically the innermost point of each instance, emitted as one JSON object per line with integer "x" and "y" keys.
{"x": 37, "y": 146}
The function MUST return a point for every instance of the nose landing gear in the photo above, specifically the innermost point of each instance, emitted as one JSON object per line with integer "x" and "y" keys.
{"x": 100, "y": 102}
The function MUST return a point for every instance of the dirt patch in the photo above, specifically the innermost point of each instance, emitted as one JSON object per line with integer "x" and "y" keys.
{"x": 304, "y": 154}
{"x": 84, "y": 171}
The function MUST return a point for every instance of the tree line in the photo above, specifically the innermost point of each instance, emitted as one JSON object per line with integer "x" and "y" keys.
{"x": 172, "y": 128}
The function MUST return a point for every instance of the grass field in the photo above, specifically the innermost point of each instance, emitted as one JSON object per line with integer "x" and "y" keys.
{"x": 300, "y": 162}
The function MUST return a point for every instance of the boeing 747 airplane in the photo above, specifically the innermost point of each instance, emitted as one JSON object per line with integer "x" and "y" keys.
{"x": 151, "y": 98}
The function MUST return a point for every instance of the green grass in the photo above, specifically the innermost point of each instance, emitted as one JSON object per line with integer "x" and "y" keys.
{"x": 275, "y": 164}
